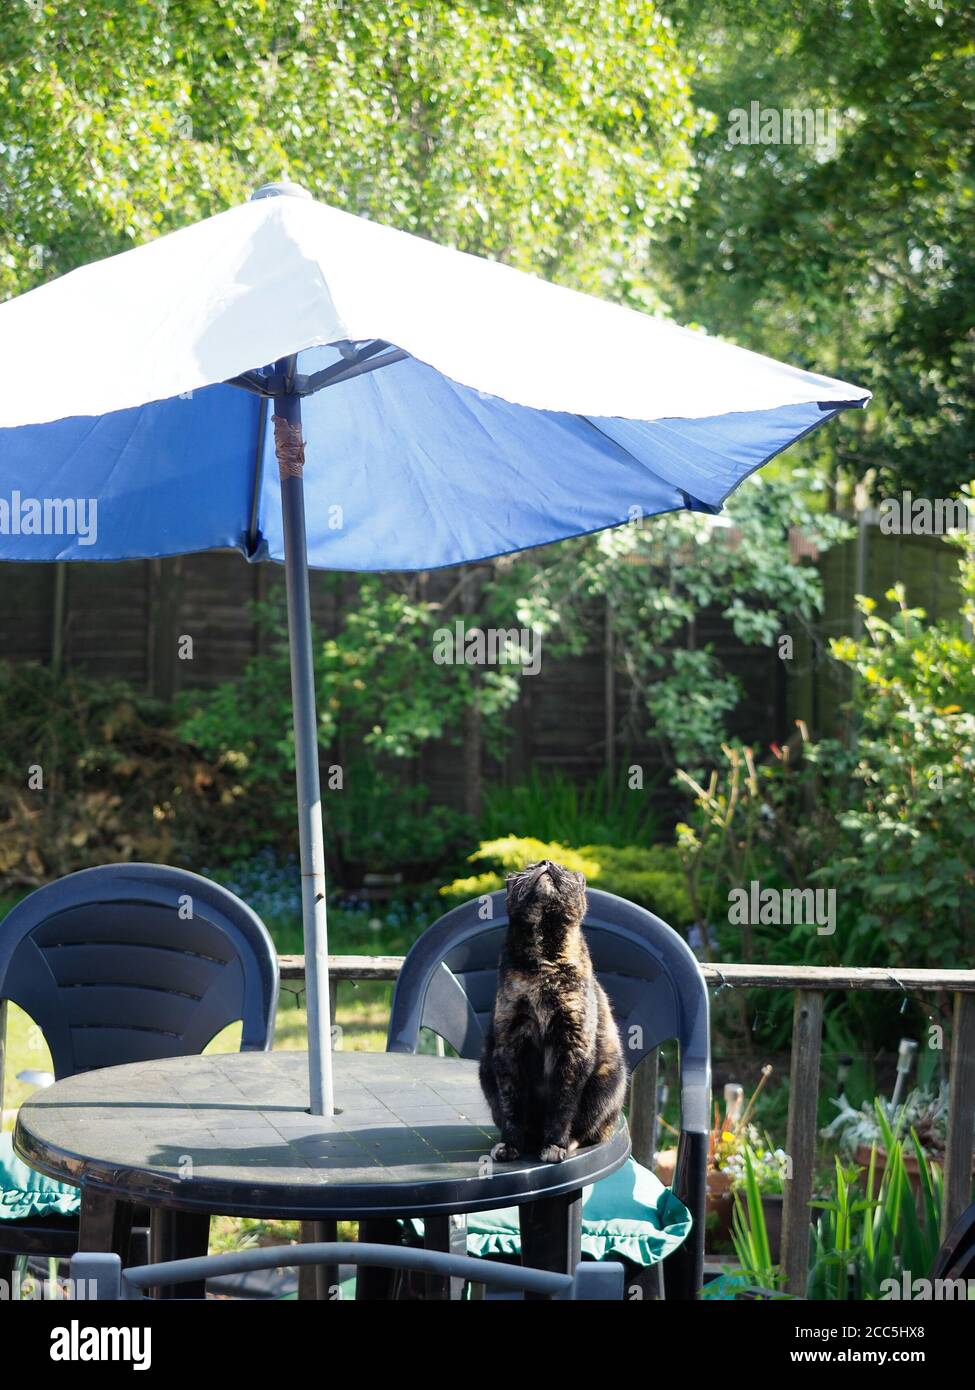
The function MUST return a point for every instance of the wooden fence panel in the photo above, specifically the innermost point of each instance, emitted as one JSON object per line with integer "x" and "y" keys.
{"x": 127, "y": 620}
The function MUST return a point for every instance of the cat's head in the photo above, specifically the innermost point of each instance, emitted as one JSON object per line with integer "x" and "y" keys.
{"x": 547, "y": 896}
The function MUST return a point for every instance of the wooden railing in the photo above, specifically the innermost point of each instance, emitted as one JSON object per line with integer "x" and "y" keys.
{"x": 808, "y": 983}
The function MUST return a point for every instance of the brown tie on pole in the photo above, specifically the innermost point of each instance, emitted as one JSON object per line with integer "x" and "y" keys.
{"x": 289, "y": 447}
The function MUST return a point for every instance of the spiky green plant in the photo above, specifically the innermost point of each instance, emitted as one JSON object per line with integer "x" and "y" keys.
{"x": 861, "y": 1238}
{"x": 749, "y": 1233}
{"x": 859, "y": 1243}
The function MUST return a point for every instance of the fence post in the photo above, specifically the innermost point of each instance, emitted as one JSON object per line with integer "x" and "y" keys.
{"x": 961, "y": 1113}
{"x": 164, "y": 597}
{"x": 58, "y": 615}
{"x": 807, "y": 1034}
{"x": 609, "y": 698}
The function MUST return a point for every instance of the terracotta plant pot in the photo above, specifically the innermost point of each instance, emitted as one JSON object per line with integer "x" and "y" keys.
{"x": 862, "y": 1159}
{"x": 721, "y": 1206}
{"x": 720, "y": 1209}
{"x": 772, "y": 1208}
{"x": 720, "y": 1203}
{"x": 911, "y": 1167}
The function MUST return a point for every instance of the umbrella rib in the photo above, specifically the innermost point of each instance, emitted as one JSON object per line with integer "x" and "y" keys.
{"x": 255, "y": 382}
{"x": 258, "y": 477}
{"x": 363, "y": 362}
{"x": 266, "y": 385}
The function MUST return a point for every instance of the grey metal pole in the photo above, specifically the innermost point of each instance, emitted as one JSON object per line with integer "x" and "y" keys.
{"x": 287, "y": 407}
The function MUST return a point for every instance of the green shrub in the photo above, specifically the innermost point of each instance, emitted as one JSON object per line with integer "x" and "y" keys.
{"x": 650, "y": 876}
{"x": 381, "y": 699}
{"x": 884, "y": 820}
{"x": 550, "y": 806}
{"x": 93, "y": 772}
{"x": 866, "y": 1235}
{"x": 380, "y": 824}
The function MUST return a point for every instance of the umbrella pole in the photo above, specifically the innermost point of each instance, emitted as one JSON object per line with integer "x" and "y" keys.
{"x": 290, "y": 454}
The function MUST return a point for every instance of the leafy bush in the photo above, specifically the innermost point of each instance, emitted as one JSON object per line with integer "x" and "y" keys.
{"x": 649, "y": 876}
{"x": 884, "y": 820}
{"x": 381, "y": 699}
{"x": 379, "y": 823}
{"x": 94, "y": 772}
{"x": 657, "y": 577}
{"x": 550, "y": 806}
{"x": 865, "y": 1239}
{"x": 910, "y": 824}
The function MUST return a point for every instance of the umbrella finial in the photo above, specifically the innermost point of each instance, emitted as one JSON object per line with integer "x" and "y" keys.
{"x": 274, "y": 190}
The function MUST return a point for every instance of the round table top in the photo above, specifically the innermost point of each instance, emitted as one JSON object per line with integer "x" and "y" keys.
{"x": 229, "y": 1133}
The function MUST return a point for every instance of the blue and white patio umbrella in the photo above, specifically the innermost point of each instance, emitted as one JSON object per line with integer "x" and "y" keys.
{"x": 472, "y": 410}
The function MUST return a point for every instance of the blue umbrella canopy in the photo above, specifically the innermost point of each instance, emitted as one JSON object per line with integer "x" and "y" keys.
{"x": 451, "y": 409}
{"x": 508, "y": 412}
{"x": 405, "y": 469}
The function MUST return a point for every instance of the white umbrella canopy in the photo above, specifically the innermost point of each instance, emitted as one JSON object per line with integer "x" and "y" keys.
{"x": 509, "y": 412}
{"x": 282, "y": 274}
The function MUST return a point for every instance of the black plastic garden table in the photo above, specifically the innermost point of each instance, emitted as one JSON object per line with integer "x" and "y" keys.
{"x": 230, "y": 1134}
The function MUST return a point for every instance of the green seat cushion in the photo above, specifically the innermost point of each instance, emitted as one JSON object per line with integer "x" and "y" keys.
{"x": 23, "y": 1192}
{"x": 734, "y": 1283}
{"x": 629, "y": 1215}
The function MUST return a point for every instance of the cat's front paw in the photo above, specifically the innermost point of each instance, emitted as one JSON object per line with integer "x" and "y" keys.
{"x": 505, "y": 1153}
{"x": 553, "y": 1153}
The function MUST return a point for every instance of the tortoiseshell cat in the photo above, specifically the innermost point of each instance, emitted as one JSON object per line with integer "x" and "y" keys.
{"x": 552, "y": 1069}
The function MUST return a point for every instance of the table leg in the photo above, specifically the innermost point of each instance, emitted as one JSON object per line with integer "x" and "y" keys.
{"x": 551, "y": 1234}
{"x": 449, "y": 1234}
{"x": 319, "y": 1282}
{"x": 178, "y": 1235}
{"x": 377, "y": 1284}
{"x": 104, "y": 1223}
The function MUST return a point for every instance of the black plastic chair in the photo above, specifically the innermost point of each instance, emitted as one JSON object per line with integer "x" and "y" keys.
{"x": 657, "y": 991}
{"x": 956, "y": 1257}
{"x": 131, "y": 963}
{"x": 102, "y": 1275}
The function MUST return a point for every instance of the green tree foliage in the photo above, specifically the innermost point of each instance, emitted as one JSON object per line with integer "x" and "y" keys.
{"x": 885, "y": 822}
{"x": 553, "y": 136}
{"x": 856, "y": 258}
{"x": 658, "y": 575}
{"x": 382, "y": 699}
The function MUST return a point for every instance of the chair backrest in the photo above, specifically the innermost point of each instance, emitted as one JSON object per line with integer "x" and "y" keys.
{"x": 102, "y": 1274}
{"x": 657, "y": 992}
{"x": 651, "y": 976}
{"x": 956, "y": 1257}
{"x": 134, "y": 962}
